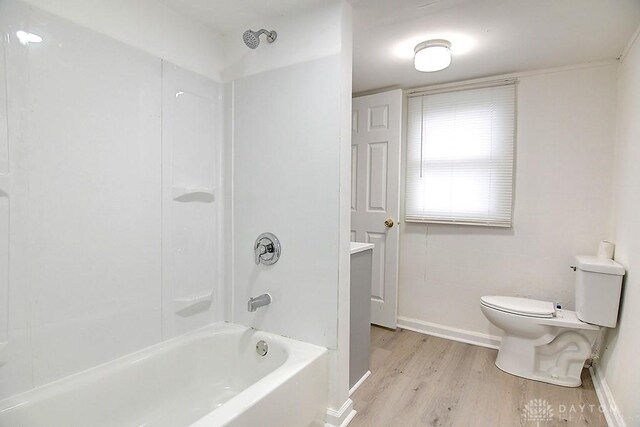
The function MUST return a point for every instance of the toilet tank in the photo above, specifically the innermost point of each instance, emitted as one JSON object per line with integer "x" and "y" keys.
{"x": 598, "y": 286}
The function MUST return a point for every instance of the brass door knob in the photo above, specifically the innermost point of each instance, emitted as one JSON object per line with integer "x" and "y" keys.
{"x": 388, "y": 223}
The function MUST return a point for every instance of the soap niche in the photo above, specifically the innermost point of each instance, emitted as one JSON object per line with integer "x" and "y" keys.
{"x": 191, "y": 122}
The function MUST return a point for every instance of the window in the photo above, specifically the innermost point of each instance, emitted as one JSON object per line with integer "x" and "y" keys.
{"x": 460, "y": 150}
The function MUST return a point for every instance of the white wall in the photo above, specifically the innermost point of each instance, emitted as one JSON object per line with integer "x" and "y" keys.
{"x": 563, "y": 186}
{"x": 286, "y": 161}
{"x": 81, "y": 164}
{"x": 286, "y": 157}
{"x": 622, "y": 348}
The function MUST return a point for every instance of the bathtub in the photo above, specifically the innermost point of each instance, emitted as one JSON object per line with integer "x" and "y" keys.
{"x": 211, "y": 377}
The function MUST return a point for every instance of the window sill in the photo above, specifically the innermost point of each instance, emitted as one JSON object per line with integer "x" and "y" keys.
{"x": 453, "y": 222}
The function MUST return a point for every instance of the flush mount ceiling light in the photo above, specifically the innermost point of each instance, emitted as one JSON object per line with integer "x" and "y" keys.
{"x": 432, "y": 55}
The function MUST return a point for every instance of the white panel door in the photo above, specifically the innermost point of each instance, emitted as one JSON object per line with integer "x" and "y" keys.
{"x": 375, "y": 194}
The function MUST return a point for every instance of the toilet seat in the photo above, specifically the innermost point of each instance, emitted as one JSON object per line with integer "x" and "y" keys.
{"x": 520, "y": 306}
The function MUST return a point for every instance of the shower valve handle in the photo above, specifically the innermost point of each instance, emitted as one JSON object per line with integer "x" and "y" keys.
{"x": 266, "y": 249}
{"x": 263, "y": 249}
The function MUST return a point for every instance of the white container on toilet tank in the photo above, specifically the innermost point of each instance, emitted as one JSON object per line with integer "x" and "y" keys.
{"x": 598, "y": 287}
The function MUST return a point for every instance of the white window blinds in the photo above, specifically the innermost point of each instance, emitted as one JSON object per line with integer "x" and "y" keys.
{"x": 460, "y": 150}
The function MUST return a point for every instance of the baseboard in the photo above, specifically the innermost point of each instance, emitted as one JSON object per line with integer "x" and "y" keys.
{"x": 611, "y": 412}
{"x": 342, "y": 417}
{"x": 461, "y": 335}
{"x": 359, "y": 383}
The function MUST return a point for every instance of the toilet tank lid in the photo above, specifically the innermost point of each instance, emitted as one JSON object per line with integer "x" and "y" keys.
{"x": 599, "y": 265}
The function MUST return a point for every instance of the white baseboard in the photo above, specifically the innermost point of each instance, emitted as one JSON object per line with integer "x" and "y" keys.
{"x": 359, "y": 383}
{"x": 461, "y": 335}
{"x": 342, "y": 417}
{"x": 611, "y": 412}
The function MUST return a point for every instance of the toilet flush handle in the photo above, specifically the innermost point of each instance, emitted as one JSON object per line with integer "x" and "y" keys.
{"x": 573, "y": 267}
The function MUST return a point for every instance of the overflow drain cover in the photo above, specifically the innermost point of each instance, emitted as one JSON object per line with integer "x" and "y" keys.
{"x": 262, "y": 348}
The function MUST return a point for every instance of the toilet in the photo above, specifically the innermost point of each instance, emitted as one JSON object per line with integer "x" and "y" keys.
{"x": 547, "y": 344}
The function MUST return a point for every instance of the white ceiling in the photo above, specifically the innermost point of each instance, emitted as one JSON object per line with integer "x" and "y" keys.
{"x": 228, "y": 16}
{"x": 488, "y": 37}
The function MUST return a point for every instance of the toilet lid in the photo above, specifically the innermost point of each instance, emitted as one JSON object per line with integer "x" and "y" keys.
{"x": 522, "y": 306}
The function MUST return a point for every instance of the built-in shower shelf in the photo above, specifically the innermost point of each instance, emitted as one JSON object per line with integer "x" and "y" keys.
{"x": 186, "y": 194}
{"x": 188, "y": 306}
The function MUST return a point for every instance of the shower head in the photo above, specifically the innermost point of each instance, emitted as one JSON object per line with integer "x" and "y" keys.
{"x": 252, "y": 38}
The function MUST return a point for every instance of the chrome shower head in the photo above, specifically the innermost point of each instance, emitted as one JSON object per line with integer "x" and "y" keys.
{"x": 252, "y": 38}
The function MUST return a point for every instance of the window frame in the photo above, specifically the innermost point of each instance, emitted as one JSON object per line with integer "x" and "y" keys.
{"x": 447, "y": 88}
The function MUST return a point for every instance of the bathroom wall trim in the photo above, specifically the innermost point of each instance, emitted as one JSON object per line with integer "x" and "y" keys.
{"x": 605, "y": 396}
{"x": 359, "y": 383}
{"x": 447, "y": 332}
{"x": 507, "y": 76}
{"x": 342, "y": 417}
{"x": 630, "y": 44}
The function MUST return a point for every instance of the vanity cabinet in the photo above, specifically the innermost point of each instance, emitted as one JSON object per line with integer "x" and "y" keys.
{"x": 360, "y": 316}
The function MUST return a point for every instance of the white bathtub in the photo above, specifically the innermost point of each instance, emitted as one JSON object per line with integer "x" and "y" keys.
{"x": 212, "y": 377}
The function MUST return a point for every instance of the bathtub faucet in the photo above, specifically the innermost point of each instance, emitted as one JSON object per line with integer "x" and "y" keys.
{"x": 259, "y": 301}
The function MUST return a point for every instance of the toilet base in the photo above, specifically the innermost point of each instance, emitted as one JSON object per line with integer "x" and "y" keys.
{"x": 551, "y": 359}
{"x": 565, "y": 382}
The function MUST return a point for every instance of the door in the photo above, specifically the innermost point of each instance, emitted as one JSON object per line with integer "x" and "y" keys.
{"x": 375, "y": 194}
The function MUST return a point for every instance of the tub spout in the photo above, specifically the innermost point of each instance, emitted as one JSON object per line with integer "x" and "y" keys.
{"x": 260, "y": 301}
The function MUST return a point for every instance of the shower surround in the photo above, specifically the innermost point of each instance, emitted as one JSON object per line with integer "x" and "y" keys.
{"x": 137, "y": 169}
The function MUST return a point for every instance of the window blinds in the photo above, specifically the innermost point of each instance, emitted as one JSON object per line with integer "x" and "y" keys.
{"x": 460, "y": 152}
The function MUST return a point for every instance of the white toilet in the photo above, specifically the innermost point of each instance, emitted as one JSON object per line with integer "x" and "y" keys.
{"x": 545, "y": 344}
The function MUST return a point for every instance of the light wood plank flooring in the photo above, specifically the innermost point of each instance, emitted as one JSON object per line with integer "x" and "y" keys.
{"x": 421, "y": 380}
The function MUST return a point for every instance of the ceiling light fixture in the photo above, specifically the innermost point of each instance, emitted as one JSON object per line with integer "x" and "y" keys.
{"x": 432, "y": 55}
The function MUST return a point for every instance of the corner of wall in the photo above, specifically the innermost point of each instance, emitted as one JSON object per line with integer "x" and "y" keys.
{"x": 617, "y": 374}
{"x": 339, "y": 381}
{"x": 309, "y": 36}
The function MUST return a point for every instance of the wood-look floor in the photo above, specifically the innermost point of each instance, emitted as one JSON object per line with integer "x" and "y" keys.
{"x": 421, "y": 380}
